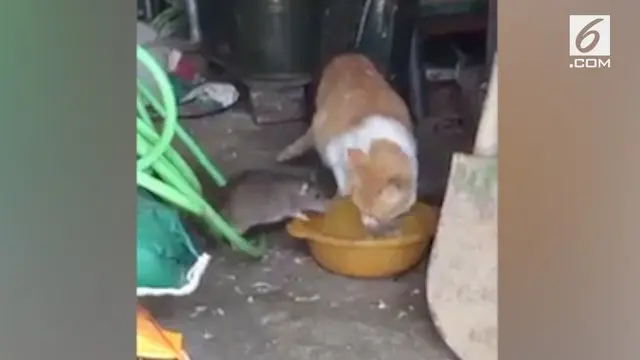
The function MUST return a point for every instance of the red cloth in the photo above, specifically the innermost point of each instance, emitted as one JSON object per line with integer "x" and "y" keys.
{"x": 181, "y": 67}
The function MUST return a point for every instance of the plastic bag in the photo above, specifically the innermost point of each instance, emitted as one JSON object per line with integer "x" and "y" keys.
{"x": 167, "y": 260}
{"x": 154, "y": 342}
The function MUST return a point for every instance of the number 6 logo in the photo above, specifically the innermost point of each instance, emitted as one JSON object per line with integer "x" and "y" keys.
{"x": 584, "y": 34}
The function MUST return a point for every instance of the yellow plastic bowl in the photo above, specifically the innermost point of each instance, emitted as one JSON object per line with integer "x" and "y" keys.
{"x": 339, "y": 243}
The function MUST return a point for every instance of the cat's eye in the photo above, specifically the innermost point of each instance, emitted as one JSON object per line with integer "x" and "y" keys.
{"x": 398, "y": 183}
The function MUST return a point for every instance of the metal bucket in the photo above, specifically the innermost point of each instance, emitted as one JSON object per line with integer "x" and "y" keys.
{"x": 276, "y": 39}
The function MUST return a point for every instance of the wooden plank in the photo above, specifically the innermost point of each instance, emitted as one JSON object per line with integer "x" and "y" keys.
{"x": 461, "y": 279}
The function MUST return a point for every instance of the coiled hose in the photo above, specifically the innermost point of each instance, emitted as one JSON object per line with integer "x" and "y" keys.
{"x": 161, "y": 170}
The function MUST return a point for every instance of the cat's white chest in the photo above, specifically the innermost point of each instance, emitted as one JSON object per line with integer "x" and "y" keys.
{"x": 373, "y": 128}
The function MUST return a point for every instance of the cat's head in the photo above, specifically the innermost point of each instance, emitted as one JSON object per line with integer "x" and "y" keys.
{"x": 382, "y": 184}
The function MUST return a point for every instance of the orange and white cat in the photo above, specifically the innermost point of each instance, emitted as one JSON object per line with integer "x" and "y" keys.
{"x": 363, "y": 132}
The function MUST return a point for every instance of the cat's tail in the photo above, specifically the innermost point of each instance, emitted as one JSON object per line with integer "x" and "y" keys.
{"x": 303, "y": 144}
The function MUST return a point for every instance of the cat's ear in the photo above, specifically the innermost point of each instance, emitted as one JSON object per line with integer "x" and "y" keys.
{"x": 357, "y": 158}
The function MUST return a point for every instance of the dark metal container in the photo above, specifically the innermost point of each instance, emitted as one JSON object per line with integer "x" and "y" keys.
{"x": 276, "y": 39}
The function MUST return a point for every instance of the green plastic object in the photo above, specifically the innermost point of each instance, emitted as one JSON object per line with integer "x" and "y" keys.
{"x": 162, "y": 171}
{"x": 167, "y": 261}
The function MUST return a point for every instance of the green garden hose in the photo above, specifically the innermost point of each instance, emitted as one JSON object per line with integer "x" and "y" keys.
{"x": 162, "y": 171}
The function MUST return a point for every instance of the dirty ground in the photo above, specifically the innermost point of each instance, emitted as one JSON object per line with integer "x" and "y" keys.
{"x": 284, "y": 307}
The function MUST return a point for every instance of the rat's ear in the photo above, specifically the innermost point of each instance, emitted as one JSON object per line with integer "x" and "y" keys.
{"x": 357, "y": 157}
{"x": 304, "y": 188}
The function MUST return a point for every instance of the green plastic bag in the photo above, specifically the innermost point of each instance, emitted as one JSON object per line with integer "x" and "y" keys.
{"x": 167, "y": 262}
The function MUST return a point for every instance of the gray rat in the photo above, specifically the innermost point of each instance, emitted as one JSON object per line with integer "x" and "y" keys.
{"x": 261, "y": 197}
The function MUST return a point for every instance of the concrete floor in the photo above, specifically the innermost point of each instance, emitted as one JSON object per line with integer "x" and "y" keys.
{"x": 285, "y": 307}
